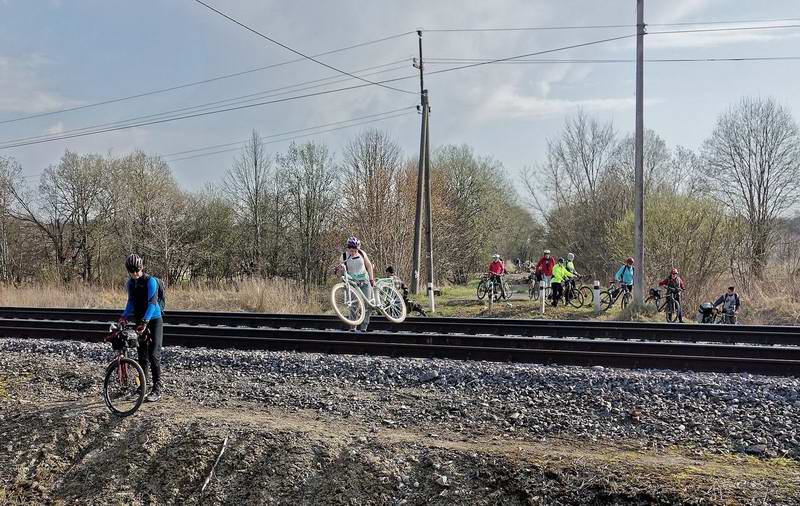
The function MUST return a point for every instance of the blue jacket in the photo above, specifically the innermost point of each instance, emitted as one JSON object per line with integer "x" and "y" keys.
{"x": 625, "y": 275}
{"x": 144, "y": 309}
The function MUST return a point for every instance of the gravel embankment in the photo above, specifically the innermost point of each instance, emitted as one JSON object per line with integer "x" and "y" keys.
{"x": 714, "y": 412}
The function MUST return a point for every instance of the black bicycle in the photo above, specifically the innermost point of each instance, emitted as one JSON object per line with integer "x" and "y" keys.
{"x": 667, "y": 303}
{"x": 124, "y": 386}
{"x": 610, "y": 296}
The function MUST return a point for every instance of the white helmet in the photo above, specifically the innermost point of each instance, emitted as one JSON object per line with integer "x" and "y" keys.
{"x": 547, "y": 252}
{"x": 496, "y": 256}
{"x": 570, "y": 256}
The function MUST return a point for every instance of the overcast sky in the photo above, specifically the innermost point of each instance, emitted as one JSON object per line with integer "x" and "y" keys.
{"x": 61, "y": 54}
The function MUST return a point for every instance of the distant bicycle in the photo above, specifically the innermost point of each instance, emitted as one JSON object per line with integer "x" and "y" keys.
{"x": 124, "y": 385}
{"x": 575, "y": 296}
{"x": 351, "y": 306}
{"x": 610, "y": 296}
{"x": 664, "y": 303}
{"x": 534, "y": 288}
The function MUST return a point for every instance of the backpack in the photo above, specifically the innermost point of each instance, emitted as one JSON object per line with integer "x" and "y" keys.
{"x": 161, "y": 296}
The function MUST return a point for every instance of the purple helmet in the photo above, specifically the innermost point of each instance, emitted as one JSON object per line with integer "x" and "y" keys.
{"x": 353, "y": 242}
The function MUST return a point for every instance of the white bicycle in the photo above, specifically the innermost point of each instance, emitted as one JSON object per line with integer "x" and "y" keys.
{"x": 351, "y": 306}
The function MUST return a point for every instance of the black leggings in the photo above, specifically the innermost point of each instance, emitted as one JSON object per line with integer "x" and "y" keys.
{"x": 150, "y": 350}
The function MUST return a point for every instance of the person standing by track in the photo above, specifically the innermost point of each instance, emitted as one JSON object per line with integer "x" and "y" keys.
{"x": 144, "y": 306}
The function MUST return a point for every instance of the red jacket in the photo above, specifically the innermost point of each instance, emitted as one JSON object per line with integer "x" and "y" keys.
{"x": 545, "y": 266}
{"x": 497, "y": 267}
{"x": 672, "y": 283}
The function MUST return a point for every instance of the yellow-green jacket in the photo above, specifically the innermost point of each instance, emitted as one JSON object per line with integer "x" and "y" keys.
{"x": 560, "y": 273}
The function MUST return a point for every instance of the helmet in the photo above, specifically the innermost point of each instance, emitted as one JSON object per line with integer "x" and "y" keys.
{"x": 629, "y": 260}
{"x": 133, "y": 263}
{"x": 561, "y": 260}
{"x": 353, "y": 242}
{"x": 570, "y": 256}
{"x": 674, "y": 271}
{"x": 547, "y": 252}
{"x": 496, "y": 256}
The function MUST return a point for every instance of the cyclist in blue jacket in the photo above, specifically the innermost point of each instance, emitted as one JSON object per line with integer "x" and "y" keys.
{"x": 625, "y": 275}
{"x": 143, "y": 308}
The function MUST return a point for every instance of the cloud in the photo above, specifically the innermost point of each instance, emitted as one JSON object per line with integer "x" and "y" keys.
{"x": 508, "y": 102}
{"x": 22, "y": 90}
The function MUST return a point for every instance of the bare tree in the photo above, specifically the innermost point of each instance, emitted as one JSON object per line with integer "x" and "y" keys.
{"x": 10, "y": 177}
{"x": 247, "y": 183}
{"x": 658, "y": 162}
{"x": 754, "y": 157}
{"x": 310, "y": 185}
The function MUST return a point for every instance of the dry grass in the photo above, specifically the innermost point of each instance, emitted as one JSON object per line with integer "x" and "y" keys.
{"x": 268, "y": 296}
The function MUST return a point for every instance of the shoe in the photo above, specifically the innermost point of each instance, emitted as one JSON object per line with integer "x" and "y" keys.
{"x": 154, "y": 395}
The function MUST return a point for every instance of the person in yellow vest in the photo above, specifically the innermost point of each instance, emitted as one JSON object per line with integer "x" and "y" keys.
{"x": 560, "y": 276}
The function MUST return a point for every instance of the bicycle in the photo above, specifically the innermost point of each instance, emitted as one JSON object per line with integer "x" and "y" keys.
{"x": 493, "y": 291}
{"x": 125, "y": 383}
{"x": 351, "y": 306}
{"x": 723, "y": 317}
{"x": 610, "y": 296}
{"x": 481, "y": 290}
{"x": 534, "y": 288}
{"x": 574, "y": 296}
{"x": 668, "y": 304}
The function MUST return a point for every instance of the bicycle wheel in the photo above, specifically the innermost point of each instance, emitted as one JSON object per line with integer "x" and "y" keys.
{"x": 673, "y": 308}
{"x": 390, "y": 303}
{"x": 626, "y": 299}
{"x": 348, "y": 304}
{"x": 587, "y": 295}
{"x": 606, "y": 300}
{"x": 481, "y": 290}
{"x": 576, "y": 298}
{"x": 124, "y": 386}
{"x": 507, "y": 289}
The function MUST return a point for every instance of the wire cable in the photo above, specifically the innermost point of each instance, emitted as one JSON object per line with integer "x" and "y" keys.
{"x": 596, "y": 27}
{"x": 283, "y": 90}
{"x": 454, "y": 61}
{"x": 315, "y": 94}
{"x": 293, "y": 137}
{"x": 308, "y": 57}
{"x": 370, "y": 116}
{"x": 203, "y": 81}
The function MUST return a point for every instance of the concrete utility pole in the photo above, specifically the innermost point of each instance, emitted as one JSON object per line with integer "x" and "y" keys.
{"x": 415, "y": 256}
{"x": 428, "y": 212}
{"x": 638, "y": 206}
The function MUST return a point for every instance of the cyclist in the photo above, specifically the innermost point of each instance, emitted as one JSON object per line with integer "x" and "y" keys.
{"x": 624, "y": 275}
{"x": 560, "y": 276}
{"x": 730, "y": 303}
{"x": 674, "y": 284}
{"x": 544, "y": 267}
{"x": 411, "y": 305}
{"x": 145, "y": 310}
{"x": 497, "y": 270}
{"x": 570, "y": 286}
{"x": 359, "y": 269}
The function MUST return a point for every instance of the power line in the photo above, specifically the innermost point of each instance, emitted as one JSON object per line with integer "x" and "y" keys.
{"x": 315, "y": 94}
{"x": 370, "y": 116}
{"x": 295, "y": 136}
{"x": 733, "y": 29}
{"x": 597, "y": 27}
{"x": 453, "y": 61}
{"x": 218, "y": 103}
{"x": 203, "y": 81}
{"x": 253, "y": 30}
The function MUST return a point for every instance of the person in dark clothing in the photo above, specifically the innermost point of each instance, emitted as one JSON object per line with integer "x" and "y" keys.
{"x": 674, "y": 284}
{"x": 730, "y": 304}
{"x": 144, "y": 309}
{"x": 411, "y": 305}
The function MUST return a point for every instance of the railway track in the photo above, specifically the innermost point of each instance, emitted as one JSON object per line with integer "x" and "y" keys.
{"x": 587, "y": 343}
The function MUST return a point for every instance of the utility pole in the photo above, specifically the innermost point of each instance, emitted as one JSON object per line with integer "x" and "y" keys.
{"x": 638, "y": 206}
{"x": 415, "y": 256}
{"x": 428, "y": 213}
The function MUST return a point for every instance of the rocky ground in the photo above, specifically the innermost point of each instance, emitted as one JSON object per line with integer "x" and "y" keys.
{"x": 320, "y": 429}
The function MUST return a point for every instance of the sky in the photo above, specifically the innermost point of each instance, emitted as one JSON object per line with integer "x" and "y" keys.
{"x": 58, "y": 54}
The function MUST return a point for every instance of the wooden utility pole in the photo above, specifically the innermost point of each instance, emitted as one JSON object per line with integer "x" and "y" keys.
{"x": 638, "y": 206}
{"x": 415, "y": 256}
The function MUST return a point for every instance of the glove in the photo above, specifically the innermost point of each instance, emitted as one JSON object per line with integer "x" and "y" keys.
{"x": 141, "y": 327}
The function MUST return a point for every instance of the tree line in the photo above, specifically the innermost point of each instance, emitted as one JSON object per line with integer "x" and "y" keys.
{"x": 720, "y": 211}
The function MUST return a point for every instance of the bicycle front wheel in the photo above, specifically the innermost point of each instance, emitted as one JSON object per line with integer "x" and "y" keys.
{"x": 348, "y": 304}
{"x": 606, "y": 300}
{"x": 626, "y": 299}
{"x": 481, "y": 290}
{"x": 575, "y": 298}
{"x": 391, "y": 304}
{"x": 124, "y": 386}
{"x": 673, "y": 309}
{"x": 587, "y": 295}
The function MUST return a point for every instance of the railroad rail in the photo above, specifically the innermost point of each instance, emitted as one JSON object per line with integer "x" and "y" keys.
{"x": 586, "y": 343}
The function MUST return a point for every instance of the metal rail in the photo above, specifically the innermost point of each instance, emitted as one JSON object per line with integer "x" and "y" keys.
{"x": 589, "y": 329}
{"x": 610, "y": 353}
